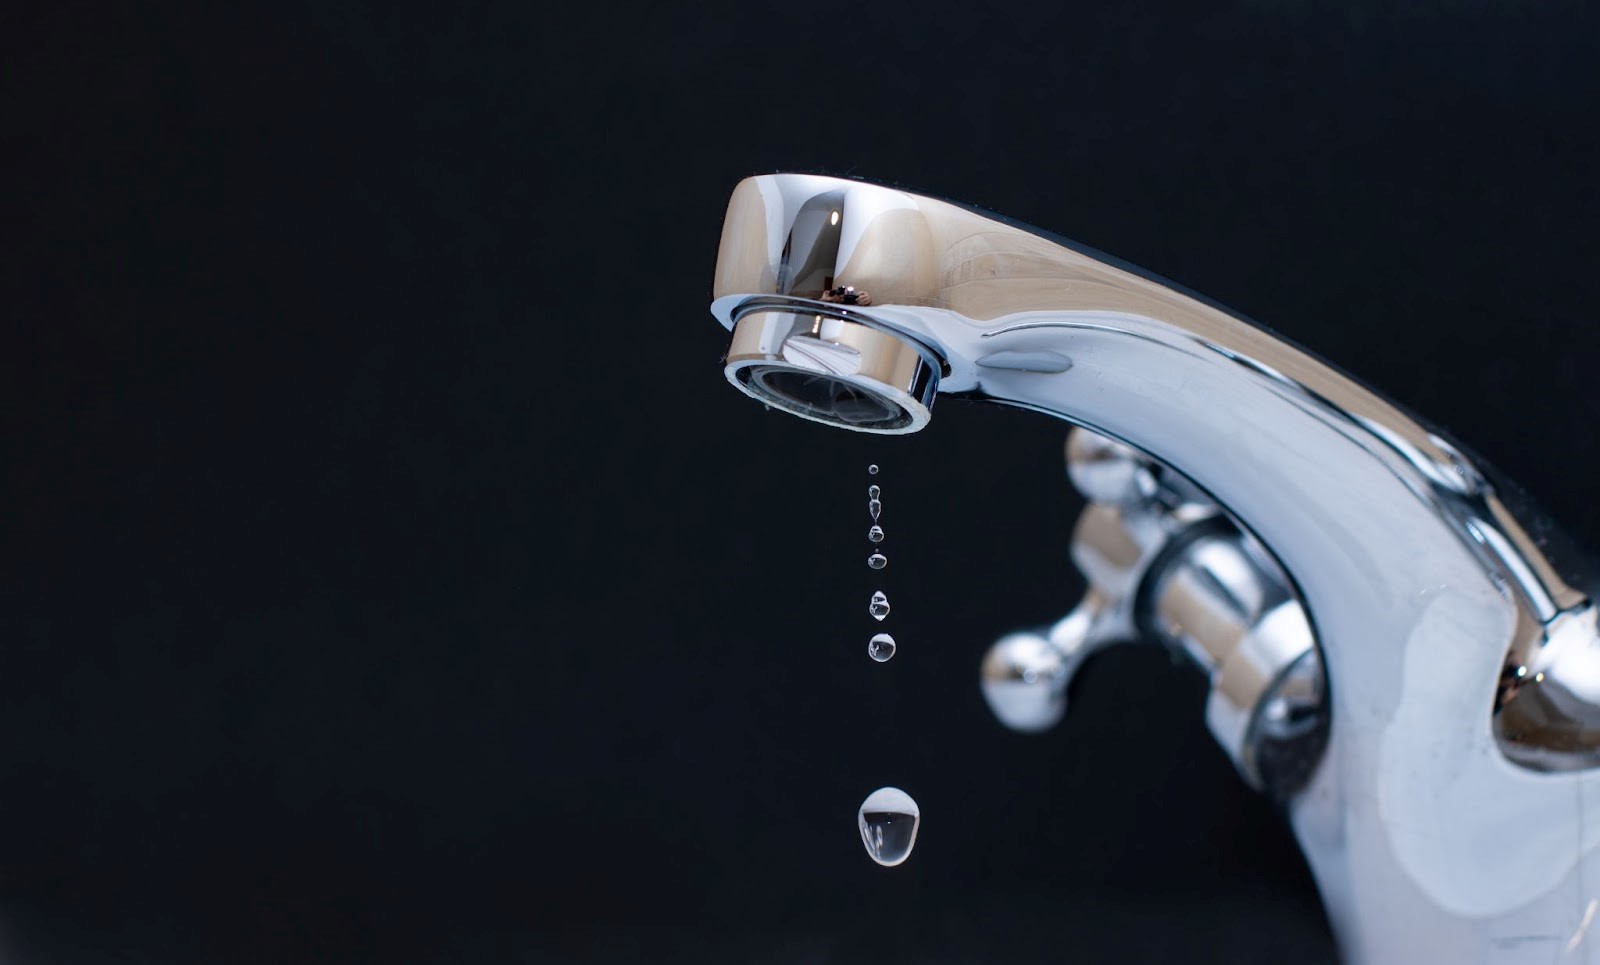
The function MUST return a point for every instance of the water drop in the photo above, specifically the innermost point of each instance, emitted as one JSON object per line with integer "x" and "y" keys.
{"x": 881, "y": 647}
{"x": 874, "y": 508}
{"x": 877, "y": 561}
{"x": 875, "y": 533}
{"x": 873, "y": 492}
{"x": 888, "y": 820}
{"x": 872, "y": 470}
{"x": 879, "y": 607}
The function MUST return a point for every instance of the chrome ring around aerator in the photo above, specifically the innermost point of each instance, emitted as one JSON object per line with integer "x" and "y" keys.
{"x": 834, "y": 370}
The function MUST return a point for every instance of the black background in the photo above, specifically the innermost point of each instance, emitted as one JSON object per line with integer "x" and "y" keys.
{"x": 390, "y": 575}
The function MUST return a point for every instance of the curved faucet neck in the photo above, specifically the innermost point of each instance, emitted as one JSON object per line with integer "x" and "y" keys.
{"x": 1415, "y": 579}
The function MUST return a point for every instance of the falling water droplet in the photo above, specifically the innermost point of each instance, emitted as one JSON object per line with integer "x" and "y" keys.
{"x": 879, "y": 607}
{"x": 888, "y": 820}
{"x": 872, "y": 470}
{"x": 881, "y": 647}
{"x": 877, "y": 561}
{"x": 874, "y": 508}
{"x": 873, "y": 492}
{"x": 875, "y": 534}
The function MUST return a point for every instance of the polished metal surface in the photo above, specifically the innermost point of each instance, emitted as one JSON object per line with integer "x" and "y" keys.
{"x": 1268, "y": 703}
{"x": 1455, "y": 813}
{"x": 1025, "y": 675}
{"x": 1547, "y": 712}
{"x": 1107, "y": 471}
{"x": 828, "y": 368}
{"x": 1163, "y": 562}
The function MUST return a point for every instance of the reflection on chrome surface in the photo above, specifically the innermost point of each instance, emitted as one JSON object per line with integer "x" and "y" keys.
{"x": 1390, "y": 653}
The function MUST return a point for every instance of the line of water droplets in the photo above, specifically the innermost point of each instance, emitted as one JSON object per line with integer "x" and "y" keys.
{"x": 888, "y": 819}
{"x": 881, "y": 647}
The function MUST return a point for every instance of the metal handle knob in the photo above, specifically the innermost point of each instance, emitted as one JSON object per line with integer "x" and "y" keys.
{"x": 1025, "y": 675}
{"x": 1164, "y": 562}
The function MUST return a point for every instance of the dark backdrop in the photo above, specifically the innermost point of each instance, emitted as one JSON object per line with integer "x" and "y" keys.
{"x": 390, "y": 575}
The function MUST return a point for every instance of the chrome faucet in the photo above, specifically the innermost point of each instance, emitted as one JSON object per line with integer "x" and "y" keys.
{"x": 1391, "y": 654}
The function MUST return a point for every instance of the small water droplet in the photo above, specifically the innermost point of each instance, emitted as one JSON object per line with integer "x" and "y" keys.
{"x": 873, "y": 492}
{"x": 879, "y": 607}
{"x": 888, "y": 819}
{"x": 874, "y": 508}
{"x": 881, "y": 647}
{"x": 877, "y": 561}
{"x": 872, "y": 470}
{"x": 875, "y": 533}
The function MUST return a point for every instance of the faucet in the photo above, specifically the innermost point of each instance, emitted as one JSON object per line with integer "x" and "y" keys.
{"x": 1396, "y": 652}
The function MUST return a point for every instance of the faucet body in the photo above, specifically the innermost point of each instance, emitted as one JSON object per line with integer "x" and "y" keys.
{"x": 1450, "y": 811}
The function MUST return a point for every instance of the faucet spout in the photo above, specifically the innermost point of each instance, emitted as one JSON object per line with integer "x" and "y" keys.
{"x": 855, "y": 304}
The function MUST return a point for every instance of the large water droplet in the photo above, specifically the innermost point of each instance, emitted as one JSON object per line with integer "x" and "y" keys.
{"x": 875, "y": 533}
{"x": 873, "y": 492}
{"x": 881, "y": 647}
{"x": 874, "y": 508}
{"x": 888, "y": 820}
{"x": 879, "y": 607}
{"x": 877, "y": 561}
{"x": 872, "y": 470}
